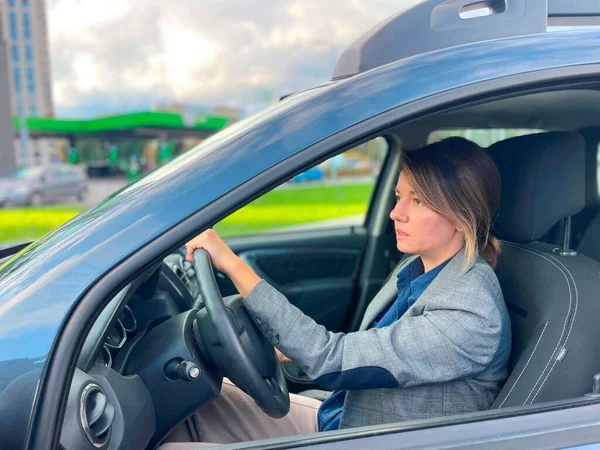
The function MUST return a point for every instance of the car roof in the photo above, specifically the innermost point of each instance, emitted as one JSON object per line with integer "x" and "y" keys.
{"x": 561, "y": 109}
{"x": 424, "y": 26}
{"x": 58, "y": 269}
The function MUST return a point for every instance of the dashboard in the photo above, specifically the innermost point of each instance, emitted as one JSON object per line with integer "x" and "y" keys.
{"x": 167, "y": 290}
{"x": 184, "y": 271}
{"x": 117, "y": 334}
{"x": 121, "y": 396}
{"x": 151, "y": 358}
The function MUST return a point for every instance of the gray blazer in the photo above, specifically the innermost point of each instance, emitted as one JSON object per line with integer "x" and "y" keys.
{"x": 447, "y": 354}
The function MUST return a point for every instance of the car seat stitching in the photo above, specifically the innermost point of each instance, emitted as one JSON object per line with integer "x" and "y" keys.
{"x": 570, "y": 327}
{"x": 544, "y": 256}
{"x": 526, "y": 364}
{"x": 547, "y": 258}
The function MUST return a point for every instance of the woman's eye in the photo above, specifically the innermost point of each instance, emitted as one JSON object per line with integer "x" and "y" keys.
{"x": 417, "y": 201}
{"x": 398, "y": 198}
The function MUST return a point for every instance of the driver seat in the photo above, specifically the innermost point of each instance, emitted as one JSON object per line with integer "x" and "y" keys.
{"x": 551, "y": 296}
{"x": 551, "y": 293}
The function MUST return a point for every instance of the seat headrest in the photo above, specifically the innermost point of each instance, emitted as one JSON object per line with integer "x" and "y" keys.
{"x": 543, "y": 181}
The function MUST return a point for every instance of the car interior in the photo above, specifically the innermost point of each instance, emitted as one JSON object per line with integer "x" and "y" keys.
{"x": 160, "y": 331}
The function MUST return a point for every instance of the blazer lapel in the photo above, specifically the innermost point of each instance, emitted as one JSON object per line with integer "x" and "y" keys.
{"x": 449, "y": 274}
{"x": 389, "y": 291}
{"x": 387, "y": 294}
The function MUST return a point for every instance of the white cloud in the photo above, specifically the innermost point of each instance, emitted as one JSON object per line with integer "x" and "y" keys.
{"x": 119, "y": 55}
{"x": 66, "y": 17}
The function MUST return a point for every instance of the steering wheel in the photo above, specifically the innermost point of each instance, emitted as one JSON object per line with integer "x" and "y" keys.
{"x": 236, "y": 345}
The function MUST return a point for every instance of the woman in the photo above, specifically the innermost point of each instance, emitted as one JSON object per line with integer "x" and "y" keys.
{"x": 434, "y": 341}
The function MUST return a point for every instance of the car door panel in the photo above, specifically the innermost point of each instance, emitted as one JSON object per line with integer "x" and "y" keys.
{"x": 49, "y": 189}
{"x": 558, "y": 426}
{"x": 315, "y": 270}
{"x": 318, "y": 281}
{"x": 67, "y": 182}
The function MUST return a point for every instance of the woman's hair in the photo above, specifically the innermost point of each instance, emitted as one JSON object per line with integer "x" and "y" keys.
{"x": 458, "y": 180}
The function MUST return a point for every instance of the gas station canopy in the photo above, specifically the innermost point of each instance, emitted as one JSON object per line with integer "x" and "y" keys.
{"x": 139, "y": 125}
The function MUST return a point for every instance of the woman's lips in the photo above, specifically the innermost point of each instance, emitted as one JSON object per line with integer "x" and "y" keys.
{"x": 401, "y": 235}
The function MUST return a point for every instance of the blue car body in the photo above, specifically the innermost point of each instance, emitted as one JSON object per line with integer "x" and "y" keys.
{"x": 42, "y": 285}
{"x": 312, "y": 174}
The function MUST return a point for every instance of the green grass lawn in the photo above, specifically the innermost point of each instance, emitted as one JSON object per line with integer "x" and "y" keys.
{"x": 33, "y": 223}
{"x": 283, "y": 207}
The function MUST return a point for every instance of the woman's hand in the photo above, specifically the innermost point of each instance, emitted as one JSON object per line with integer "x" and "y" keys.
{"x": 223, "y": 259}
{"x": 221, "y": 256}
{"x": 282, "y": 357}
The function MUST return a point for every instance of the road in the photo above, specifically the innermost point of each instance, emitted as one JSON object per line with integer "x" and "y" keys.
{"x": 100, "y": 188}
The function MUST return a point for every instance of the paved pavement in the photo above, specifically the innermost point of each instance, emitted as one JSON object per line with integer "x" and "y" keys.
{"x": 100, "y": 188}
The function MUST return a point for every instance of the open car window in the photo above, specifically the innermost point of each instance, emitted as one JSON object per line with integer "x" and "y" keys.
{"x": 332, "y": 194}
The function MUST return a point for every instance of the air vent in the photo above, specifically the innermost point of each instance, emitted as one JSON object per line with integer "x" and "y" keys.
{"x": 97, "y": 415}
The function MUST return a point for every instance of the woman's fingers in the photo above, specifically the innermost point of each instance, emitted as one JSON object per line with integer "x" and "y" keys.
{"x": 220, "y": 254}
{"x": 282, "y": 357}
{"x": 190, "y": 248}
{"x": 200, "y": 241}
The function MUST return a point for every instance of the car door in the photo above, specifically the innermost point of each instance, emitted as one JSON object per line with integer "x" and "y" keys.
{"x": 565, "y": 425}
{"x": 68, "y": 183}
{"x": 71, "y": 185}
{"x": 51, "y": 184}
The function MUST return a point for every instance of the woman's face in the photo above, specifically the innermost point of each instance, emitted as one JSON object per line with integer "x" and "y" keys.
{"x": 419, "y": 230}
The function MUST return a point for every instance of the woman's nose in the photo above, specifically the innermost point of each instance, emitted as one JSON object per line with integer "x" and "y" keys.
{"x": 399, "y": 212}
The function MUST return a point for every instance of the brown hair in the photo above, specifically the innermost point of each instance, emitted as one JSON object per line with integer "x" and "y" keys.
{"x": 458, "y": 180}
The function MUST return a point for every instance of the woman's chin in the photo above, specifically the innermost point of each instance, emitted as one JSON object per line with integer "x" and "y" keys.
{"x": 403, "y": 247}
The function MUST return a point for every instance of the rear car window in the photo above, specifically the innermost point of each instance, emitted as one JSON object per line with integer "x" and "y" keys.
{"x": 484, "y": 137}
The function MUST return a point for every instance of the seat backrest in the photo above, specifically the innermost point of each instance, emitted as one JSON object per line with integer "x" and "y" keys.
{"x": 552, "y": 299}
{"x": 589, "y": 244}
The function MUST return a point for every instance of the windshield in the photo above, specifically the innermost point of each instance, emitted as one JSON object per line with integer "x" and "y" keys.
{"x": 216, "y": 141}
{"x": 28, "y": 173}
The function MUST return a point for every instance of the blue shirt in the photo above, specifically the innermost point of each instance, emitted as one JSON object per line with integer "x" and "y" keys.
{"x": 412, "y": 282}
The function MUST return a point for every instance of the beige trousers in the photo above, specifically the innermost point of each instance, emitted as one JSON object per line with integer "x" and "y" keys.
{"x": 234, "y": 417}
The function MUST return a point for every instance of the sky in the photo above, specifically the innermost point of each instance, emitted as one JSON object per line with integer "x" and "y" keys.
{"x": 115, "y": 56}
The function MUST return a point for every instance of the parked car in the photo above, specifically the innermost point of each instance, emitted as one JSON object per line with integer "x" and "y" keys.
{"x": 37, "y": 185}
{"x": 312, "y": 174}
{"x": 94, "y": 315}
